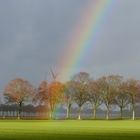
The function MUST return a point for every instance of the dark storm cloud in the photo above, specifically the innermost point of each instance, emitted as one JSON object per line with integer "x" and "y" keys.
{"x": 33, "y": 34}
{"x": 118, "y": 47}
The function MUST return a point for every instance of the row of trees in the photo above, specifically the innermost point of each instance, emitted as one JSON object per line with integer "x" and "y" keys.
{"x": 106, "y": 91}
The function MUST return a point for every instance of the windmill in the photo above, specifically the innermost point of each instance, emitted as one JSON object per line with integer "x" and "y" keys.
{"x": 53, "y": 74}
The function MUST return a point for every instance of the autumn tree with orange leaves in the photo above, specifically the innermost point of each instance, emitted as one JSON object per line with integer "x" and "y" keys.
{"x": 55, "y": 95}
{"x": 50, "y": 94}
{"x": 18, "y": 91}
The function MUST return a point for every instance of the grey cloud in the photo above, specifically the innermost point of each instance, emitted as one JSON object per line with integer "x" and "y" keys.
{"x": 34, "y": 33}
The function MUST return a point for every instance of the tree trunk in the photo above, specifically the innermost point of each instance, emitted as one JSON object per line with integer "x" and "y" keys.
{"x": 50, "y": 115}
{"x": 67, "y": 115}
{"x": 133, "y": 117}
{"x": 19, "y": 111}
{"x": 50, "y": 111}
{"x": 68, "y": 112}
{"x": 79, "y": 115}
{"x": 94, "y": 112}
{"x": 121, "y": 112}
{"x": 107, "y": 113}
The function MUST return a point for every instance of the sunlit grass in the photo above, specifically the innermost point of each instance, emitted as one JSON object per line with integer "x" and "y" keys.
{"x": 84, "y": 130}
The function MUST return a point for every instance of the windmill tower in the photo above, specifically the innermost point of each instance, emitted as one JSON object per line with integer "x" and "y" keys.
{"x": 54, "y": 75}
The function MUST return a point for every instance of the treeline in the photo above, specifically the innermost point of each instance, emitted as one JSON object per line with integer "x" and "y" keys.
{"x": 104, "y": 92}
{"x": 28, "y": 111}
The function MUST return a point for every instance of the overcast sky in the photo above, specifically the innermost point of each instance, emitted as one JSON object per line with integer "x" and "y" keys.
{"x": 33, "y": 35}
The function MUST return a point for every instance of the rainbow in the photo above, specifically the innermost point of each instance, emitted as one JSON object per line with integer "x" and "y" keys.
{"x": 84, "y": 36}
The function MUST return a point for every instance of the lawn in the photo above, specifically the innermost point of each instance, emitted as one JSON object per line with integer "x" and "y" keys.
{"x": 69, "y": 130}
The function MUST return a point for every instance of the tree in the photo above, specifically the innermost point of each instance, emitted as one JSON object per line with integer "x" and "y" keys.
{"x": 108, "y": 86}
{"x": 81, "y": 77}
{"x": 55, "y": 95}
{"x": 68, "y": 97}
{"x": 94, "y": 96}
{"x": 42, "y": 93}
{"x": 80, "y": 87}
{"x": 133, "y": 89}
{"x": 1, "y": 108}
{"x": 18, "y": 91}
{"x": 122, "y": 97}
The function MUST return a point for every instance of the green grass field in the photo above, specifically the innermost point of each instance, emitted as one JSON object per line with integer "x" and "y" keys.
{"x": 69, "y": 130}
